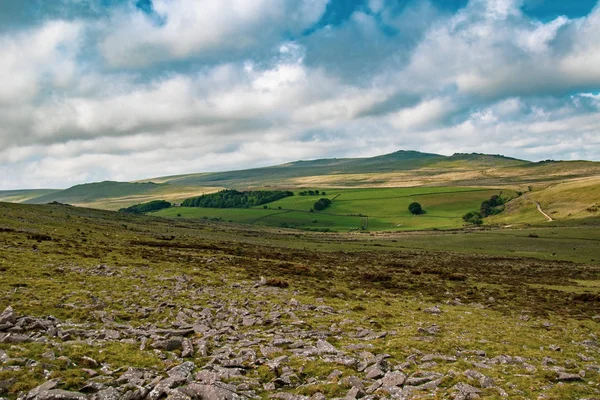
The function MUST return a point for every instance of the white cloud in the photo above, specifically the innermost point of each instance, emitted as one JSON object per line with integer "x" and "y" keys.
{"x": 427, "y": 114}
{"x": 41, "y": 59}
{"x": 197, "y": 28}
{"x": 241, "y": 93}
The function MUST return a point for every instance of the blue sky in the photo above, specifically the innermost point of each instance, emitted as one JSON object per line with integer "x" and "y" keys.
{"x": 130, "y": 89}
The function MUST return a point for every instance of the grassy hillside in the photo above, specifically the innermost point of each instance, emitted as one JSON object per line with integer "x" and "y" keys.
{"x": 375, "y": 209}
{"x": 572, "y": 199}
{"x": 115, "y": 195}
{"x": 276, "y": 313}
{"x": 374, "y": 171}
{"x": 19, "y": 196}
{"x": 284, "y": 174}
{"x": 402, "y": 169}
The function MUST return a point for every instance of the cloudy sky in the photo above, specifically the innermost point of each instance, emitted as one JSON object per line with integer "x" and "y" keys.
{"x": 129, "y": 89}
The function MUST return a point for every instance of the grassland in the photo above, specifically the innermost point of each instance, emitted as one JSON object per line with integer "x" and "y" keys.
{"x": 115, "y": 195}
{"x": 20, "y": 196}
{"x": 564, "y": 200}
{"x": 566, "y": 189}
{"x": 400, "y": 169}
{"x": 506, "y": 306}
{"x": 382, "y": 209}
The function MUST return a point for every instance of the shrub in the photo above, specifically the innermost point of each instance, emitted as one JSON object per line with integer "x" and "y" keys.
{"x": 150, "y": 206}
{"x": 277, "y": 282}
{"x": 492, "y": 206}
{"x": 454, "y": 277}
{"x": 322, "y": 204}
{"x": 377, "y": 277}
{"x": 40, "y": 237}
{"x": 473, "y": 218}
{"x": 415, "y": 208}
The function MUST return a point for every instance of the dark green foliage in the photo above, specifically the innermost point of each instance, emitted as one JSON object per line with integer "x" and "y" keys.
{"x": 235, "y": 199}
{"x": 491, "y": 206}
{"x": 473, "y": 217}
{"x": 322, "y": 204}
{"x": 311, "y": 193}
{"x": 415, "y": 208}
{"x": 146, "y": 207}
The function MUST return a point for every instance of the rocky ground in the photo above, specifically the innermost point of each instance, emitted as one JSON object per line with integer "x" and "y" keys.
{"x": 233, "y": 342}
{"x": 103, "y": 306}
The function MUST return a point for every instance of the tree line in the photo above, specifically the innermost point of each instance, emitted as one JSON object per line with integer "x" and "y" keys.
{"x": 493, "y": 206}
{"x": 146, "y": 207}
{"x": 234, "y": 199}
{"x": 311, "y": 193}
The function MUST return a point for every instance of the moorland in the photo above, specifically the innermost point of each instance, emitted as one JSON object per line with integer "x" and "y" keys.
{"x": 207, "y": 303}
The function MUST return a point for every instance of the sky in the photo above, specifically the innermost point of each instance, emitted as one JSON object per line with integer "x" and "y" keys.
{"x": 95, "y": 90}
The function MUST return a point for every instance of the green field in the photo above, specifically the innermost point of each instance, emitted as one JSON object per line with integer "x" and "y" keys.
{"x": 239, "y": 215}
{"x": 352, "y": 209}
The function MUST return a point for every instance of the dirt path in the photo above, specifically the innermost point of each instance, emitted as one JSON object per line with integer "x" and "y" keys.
{"x": 539, "y": 208}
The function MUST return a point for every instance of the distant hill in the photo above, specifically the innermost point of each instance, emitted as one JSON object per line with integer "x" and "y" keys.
{"x": 353, "y": 172}
{"x": 399, "y": 169}
{"x": 473, "y": 160}
{"x": 115, "y": 195}
{"x": 19, "y": 196}
{"x": 398, "y": 161}
{"x": 95, "y": 191}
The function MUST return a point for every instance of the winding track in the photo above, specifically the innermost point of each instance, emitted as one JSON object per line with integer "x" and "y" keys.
{"x": 539, "y": 208}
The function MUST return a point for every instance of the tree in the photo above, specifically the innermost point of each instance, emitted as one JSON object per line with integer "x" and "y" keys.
{"x": 322, "y": 204}
{"x": 415, "y": 208}
{"x": 491, "y": 206}
{"x": 473, "y": 217}
{"x": 155, "y": 205}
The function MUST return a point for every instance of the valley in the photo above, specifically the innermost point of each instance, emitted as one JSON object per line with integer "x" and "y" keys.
{"x": 108, "y": 304}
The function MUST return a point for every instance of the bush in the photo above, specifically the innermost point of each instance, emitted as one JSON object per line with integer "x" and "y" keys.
{"x": 277, "y": 282}
{"x": 415, "y": 208}
{"x": 146, "y": 207}
{"x": 322, "y": 204}
{"x": 454, "y": 277}
{"x": 491, "y": 206}
{"x": 377, "y": 277}
{"x": 473, "y": 218}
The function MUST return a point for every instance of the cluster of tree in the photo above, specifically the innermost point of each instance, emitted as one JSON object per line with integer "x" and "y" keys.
{"x": 146, "y": 207}
{"x": 235, "y": 199}
{"x": 312, "y": 193}
{"x": 491, "y": 206}
{"x": 473, "y": 218}
{"x": 415, "y": 208}
{"x": 322, "y": 204}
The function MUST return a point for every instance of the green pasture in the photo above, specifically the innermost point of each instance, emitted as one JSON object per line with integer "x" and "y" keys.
{"x": 355, "y": 209}
{"x": 239, "y": 215}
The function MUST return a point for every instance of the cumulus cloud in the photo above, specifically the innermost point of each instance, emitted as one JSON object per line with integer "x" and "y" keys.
{"x": 202, "y": 28}
{"x": 193, "y": 86}
{"x": 41, "y": 59}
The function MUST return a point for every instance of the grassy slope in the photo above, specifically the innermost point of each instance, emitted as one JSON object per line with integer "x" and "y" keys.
{"x": 282, "y": 174}
{"x": 387, "y": 209}
{"x": 507, "y": 305}
{"x": 573, "y": 199}
{"x": 20, "y": 196}
{"x": 400, "y": 169}
{"x": 115, "y": 195}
